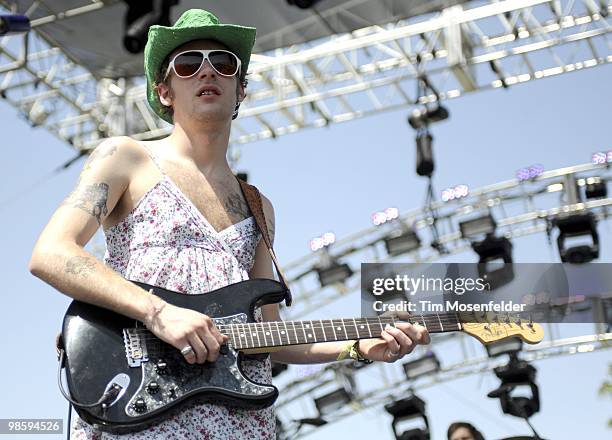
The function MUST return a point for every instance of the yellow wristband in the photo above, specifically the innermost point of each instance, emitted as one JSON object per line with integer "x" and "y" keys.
{"x": 346, "y": 351}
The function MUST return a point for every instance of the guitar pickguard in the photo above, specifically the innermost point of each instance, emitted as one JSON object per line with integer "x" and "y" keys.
{"x": 167, "y": 377}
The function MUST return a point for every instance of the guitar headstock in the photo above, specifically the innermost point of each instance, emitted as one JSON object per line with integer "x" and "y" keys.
{"x": 492, "y": 327}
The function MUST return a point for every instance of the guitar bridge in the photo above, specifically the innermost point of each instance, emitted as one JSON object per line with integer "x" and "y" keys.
{"x": 135, "y": 346}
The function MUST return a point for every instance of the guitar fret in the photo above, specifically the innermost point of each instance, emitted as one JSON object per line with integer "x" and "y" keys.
{"x": 271, "y": 333}
{"x": 304, "y": 331}
{"x": 440, "y": 321}
{"x": 234, "y": 340}
{"x": 317, "y": 332}
{"x": 344, "y": 328}
{"x": 256, "y": 331}
{"x": 323, "y": 328}
{"x": 458, "y": 322}
{"x": 297, "y": 341}
{"x": 263, "y": 333}
{"x": 243, "y": 342}
{"x": 311, "y": 335}
{"x": 360, "y": 329}
{"x": 280, "y": 334}
{"x": 333, "y": 326}
{"x": 250, "y": 335}
{"x": 382, "y": 327}
{"x": 287, "y": 331}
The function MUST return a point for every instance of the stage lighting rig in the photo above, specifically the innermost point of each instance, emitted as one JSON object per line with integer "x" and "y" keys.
{"x": 576, "y": 226}
{"x": 140, "y": 16}
{"x": 14, "y": 24}
{"x": 409, "y": 408}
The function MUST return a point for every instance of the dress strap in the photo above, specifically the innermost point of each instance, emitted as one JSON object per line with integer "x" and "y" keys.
{"x": 154, "y": 158}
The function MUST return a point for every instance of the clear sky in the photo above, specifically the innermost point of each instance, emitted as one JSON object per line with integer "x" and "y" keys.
{"x": 333, "y": 179}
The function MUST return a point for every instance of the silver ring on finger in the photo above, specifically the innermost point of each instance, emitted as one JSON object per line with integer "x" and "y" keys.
{"x": 186, "y": 350}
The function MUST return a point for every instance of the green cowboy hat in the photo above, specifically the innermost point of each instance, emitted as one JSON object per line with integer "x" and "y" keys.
{"x": 194, "y": 24}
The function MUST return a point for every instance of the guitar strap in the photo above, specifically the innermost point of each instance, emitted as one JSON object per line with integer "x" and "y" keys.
{"x": 253, "y": 199}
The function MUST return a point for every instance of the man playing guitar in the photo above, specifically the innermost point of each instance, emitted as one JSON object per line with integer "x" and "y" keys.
{"x": 174, "y": 216}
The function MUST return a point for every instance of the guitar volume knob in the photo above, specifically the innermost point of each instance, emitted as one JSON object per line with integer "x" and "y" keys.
{"x": 153, "y": 387}
{"x": 161, "y": 367}
{"x": 140, "y": 405}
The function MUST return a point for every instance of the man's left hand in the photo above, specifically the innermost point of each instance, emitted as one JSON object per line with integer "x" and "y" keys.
{"x": 397, "y": 342}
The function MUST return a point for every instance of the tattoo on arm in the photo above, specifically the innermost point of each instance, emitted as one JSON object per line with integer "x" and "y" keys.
{"x": 80, "y": 266}
{"x": 235, "y": 206}
{"x": 98, "y": 154}
{"x": 91, "y": 199}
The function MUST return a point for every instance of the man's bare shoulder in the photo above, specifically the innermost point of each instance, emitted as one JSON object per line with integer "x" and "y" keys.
{"x": 119, "y": 151}
{"x": 267, "y": 205}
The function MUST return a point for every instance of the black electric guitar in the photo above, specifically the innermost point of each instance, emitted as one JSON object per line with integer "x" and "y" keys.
{"x": 121, "y": 378}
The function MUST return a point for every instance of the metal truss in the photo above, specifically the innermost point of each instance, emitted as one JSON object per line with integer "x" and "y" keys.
{"x": 519, "y": 208}
{"x": 464, "y": 48}
{"x": 297, "y": 396}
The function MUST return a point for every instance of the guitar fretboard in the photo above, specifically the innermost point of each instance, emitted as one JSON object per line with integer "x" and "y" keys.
{"x": 282, "y": 333}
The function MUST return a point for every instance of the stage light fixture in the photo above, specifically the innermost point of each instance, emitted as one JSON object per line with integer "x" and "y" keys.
{"x": 14, "y": 24}
{"x": 477, "y": 226}
{"x": 422, "y": 118}
{"x": 407, "y": 241}
{"x": 278, "y": 368}
{"x": 494, "y": 260}
{"x": 427, "y": 364}
{"x": 595, "y": 188}
{"x": 577, "y": 226}
{"x": 381, "y": 217}
{"x": 324, "y": 240}
{"x": 334, "y": 273}
{"x": 140, "y": 16}
{"x": 455, "y": 192}
{"x": 409, "y": 408}
{"x": 424, "y": 154}
{"x": 601, "y": 157}
{"x": 515, "y": 376}
{"x": 333, "y": 401}
{"x": 303, "y": 4}
{"x": 510, "y": 346}
{"x": 529, "y": 173}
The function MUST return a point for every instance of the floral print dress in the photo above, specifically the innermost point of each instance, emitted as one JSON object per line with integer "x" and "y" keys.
{"x": 167, "y": 242}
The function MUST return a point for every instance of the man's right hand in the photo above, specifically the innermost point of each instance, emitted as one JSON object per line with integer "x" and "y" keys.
{"x": 182, "y": 328}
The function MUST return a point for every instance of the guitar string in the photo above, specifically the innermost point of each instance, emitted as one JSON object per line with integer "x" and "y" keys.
{"x": 256, "y": 329}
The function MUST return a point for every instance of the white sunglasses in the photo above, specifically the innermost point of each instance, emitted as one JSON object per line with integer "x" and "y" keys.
{"x": 186, "y": 64}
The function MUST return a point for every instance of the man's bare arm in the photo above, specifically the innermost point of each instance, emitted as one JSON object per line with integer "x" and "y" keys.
{"x": 401, "y": 340}
{"x": 59, "y": 257}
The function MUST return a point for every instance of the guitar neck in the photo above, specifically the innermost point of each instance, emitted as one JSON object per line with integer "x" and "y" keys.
{"x": 282, "y": 333}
